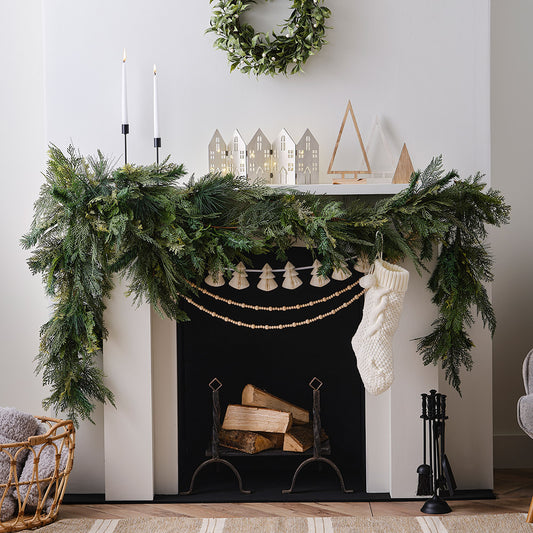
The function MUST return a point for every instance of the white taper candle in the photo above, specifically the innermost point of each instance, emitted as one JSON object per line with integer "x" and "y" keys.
{"x": 156, "y": 109}
{"x": 124, "y": 91}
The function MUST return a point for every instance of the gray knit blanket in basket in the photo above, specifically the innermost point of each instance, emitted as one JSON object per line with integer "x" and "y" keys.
{"x": 16, "y": 426}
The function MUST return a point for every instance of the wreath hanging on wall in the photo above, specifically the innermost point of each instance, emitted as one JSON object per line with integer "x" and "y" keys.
{"x": 301, "y": 36}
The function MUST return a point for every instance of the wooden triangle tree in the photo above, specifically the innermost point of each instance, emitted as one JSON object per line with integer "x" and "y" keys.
{"x": 355, "y": 172}
{"x": 405, "y": 167}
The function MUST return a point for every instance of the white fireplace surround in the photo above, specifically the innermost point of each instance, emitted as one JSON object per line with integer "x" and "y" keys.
{"x": 142, "y": 430}
{"x": 382, "y": 55}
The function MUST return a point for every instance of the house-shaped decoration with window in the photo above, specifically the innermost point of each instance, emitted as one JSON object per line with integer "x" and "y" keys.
{"x": 284, "y": 159}
{"x": 237, "y": 151}
{"x": 307, "y": 159}
{"x": 218, "y": 155}
{"x": 281, "y": 162}
{"x": 260, "y": 158}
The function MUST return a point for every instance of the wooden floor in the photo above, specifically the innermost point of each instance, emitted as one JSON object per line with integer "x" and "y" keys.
{"x": 513, "y": 488}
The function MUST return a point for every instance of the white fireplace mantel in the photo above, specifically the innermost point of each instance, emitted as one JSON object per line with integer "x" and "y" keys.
{"x": 141, "y": 434}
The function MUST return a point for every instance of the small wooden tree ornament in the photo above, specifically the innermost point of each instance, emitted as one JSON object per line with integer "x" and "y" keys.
{"x": 342, "y": 273}
{"x": 318, "y": 280}
{"x": 291, "y": 279}
{"x": 214, "y": 279}
{"x": 268, "y": 281}
{"x": 355, "y": 179}
{"x": 238, "y": 280}
{"x": 404, "y": 168}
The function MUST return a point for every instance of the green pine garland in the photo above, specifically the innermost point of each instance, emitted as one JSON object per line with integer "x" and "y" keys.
{"x": 92, "y": 221}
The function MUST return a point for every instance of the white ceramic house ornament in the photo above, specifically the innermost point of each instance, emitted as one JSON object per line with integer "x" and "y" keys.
{"x": 284, "y": 159}
{"x": 218, "y": 155}
{"x": 260, "y": 158}
{"x": 237, "y": 150}
{"x": 307, "y": 159}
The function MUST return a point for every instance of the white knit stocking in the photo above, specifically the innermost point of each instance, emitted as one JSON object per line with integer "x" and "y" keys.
{"x": 372, "y": 342}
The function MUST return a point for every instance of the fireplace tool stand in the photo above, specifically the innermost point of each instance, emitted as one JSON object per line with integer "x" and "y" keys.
{"x": 315, "y": 384}
{"x": 442, "y": 476}
{"x": 215, "y": 386}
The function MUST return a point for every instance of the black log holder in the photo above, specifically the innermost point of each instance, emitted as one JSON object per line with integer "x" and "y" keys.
{"x": 215, "y": 385}
{"x": 315, "y": 384}
{"x": 436, "y": 409}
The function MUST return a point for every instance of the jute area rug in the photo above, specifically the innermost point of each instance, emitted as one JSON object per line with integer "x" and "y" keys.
{"x": 503, "y": 523}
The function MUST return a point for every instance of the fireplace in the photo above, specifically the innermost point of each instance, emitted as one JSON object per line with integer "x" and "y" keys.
{"x": 283, "y": 362}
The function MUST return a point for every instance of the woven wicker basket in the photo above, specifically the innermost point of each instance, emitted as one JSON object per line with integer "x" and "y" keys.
{"x": 50, "y": 490}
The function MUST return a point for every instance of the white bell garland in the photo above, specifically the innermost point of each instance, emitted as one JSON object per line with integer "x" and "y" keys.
{"x": 318, "y": 280}
{"x": 215, "y": 279}
{"x": 291, "y": 279}
{"x": 342, "y": 273}
{"x": 268, "y": 281}
{"x": 239, "y": 281}
{"x": 362, "y": 264}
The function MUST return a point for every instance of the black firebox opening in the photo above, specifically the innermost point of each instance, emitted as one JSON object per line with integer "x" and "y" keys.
{"x": 282, "y": 362}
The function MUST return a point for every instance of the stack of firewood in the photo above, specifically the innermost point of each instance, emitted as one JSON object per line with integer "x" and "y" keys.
{"x": 264, "y": 422}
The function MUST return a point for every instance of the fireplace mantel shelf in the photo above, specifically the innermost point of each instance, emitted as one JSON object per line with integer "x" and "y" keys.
{"x": 349, "y": 189}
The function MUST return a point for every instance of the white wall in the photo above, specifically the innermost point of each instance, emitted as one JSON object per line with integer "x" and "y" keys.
{"x": 24, "y": 307}
{"x": 512, "y": 116}
{"x": 414, "y": 63}
{"x": 22, "y": 147}
{"x": 420, "y": 65}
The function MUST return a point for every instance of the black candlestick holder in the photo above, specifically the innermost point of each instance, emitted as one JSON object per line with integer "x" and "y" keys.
{"x": 125, "y": 131}
{"x": 157, "y": 145}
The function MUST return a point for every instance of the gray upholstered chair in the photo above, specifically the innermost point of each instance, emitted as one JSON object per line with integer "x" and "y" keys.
{"x": 525, "y": 408}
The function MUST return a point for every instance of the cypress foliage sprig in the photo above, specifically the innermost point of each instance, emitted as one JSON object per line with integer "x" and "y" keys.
{"x": 92, "y": 221}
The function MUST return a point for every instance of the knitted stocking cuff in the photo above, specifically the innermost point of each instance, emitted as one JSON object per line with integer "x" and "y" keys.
{"x": 391, "y": 276}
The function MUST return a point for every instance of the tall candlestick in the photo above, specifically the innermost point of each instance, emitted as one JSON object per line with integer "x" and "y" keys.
{"x": 124, "y": 91}
{"x": 157, "y": 138}
{"x": 156, "y": 110}
{"x": 125, "y": 123}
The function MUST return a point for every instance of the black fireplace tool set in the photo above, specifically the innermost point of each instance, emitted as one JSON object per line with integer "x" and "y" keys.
{"x": 315, "y": 384}
{"x": 436, "y": 478}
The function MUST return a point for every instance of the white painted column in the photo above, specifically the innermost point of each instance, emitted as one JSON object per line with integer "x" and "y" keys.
{"x": 378, "y": 442}
{"x": 128, "y": 429}
{"x": 393, "y": 426}
{"x": 165, "y": 404}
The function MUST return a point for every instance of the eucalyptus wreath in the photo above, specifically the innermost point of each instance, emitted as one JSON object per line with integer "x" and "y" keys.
{"x": 93, "y": 221}
{"x": 301, "y": 36}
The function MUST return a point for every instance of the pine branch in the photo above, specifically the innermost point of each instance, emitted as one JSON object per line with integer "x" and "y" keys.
{"x": 92, "y": 221}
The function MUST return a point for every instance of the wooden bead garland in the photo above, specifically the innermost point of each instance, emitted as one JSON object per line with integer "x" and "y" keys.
{"x": 273, "y": 308}
{"x": 275, "y": 326}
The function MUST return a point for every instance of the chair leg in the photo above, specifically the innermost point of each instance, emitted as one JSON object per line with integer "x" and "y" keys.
{"x": 529, "y": 518}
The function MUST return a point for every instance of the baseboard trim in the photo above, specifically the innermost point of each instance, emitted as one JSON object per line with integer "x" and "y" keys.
{"x": 513, "y": 451}
{"x": 93, "y": 499}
